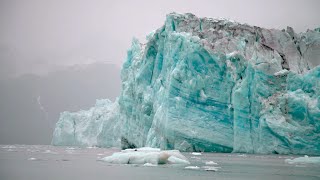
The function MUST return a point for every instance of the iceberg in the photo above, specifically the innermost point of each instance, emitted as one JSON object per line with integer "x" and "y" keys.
{"x": 304, "y": 160}
{"x": 210, "y": 85}
{"x": 147, "y": 157}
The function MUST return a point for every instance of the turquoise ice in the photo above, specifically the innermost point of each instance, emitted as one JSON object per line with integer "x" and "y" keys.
{"x": 202, "y": 84}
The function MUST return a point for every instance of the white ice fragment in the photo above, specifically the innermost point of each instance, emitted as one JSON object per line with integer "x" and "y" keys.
{"x": 175, "y": 160}
{"x": 146, "y": 155}
{"x": 149, "y": 165}
{"x": 192, "y": 167}
{"x": 47, "y": 151}
{"x": 303, "y": 160}
{"x": 242, "y": 155}
{"x": 92, "y": 147}
{"x": 70, "y": 148}
{"x": 32, "y": 159}
{"x": 196, "y": 153}
{"x": 210, "y": 168}
{"x": 211, "y": 163}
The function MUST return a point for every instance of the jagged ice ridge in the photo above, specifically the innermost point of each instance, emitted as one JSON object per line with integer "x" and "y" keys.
{"x": 202, "y": 84}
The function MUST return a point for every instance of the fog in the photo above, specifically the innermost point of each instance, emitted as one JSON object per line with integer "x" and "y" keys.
{"x": 39, "y": 36}
{"x": 41, "y": 43}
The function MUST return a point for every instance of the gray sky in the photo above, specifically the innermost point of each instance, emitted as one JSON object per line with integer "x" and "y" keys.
{"x": 37, "y": 36}
{"x": 43, "y": 36}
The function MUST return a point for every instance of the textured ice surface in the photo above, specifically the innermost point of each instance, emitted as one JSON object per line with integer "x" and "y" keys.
{"x": 146, "y": 156}
{"x": 211, "y": 163}
{"x": 304, "y": 160}
{"x": 96, "y": 127}
{"x": 202, "y": 84}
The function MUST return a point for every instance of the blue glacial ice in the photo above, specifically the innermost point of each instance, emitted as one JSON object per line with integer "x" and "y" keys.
{"x": 202, "y": 84}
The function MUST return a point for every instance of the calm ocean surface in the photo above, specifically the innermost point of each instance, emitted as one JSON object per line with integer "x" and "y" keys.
{"x": 41, "y": 162}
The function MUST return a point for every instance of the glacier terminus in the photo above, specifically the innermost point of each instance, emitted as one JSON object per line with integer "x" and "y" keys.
{"x": 210, "y": 85}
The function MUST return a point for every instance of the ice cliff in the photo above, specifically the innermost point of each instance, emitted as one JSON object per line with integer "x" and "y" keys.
{"x": 202, "y": 84}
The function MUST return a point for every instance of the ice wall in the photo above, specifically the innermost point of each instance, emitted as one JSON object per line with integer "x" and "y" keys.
{"x": 202, "y": 84}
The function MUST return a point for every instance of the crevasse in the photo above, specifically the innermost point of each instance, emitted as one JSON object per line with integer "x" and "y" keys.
{"x": 202, "y": 84}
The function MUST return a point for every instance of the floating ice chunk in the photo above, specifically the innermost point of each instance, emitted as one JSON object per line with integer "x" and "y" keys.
{"x": 70, "y": 148}
{"x": 149, "y": 165}
{"x": 49, "y": 152}
{"x": 146, "y": 155}
{"x": 242, "y": 155}
{"x": 192, "y": 167}
{"x": 211, "y": 163}
{"x": 196, "y": 153}
{"x": 304, "y": 160}
{"x": 210, "y": 168}
{"x": 92, "y": 147}
{"x": 32, "y": 159}
{"x": 9, "y": 147}
{"x": 176, "y": 160}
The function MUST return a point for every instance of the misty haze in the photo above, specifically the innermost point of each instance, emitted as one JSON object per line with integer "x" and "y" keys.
{"x": 159, "y": 89}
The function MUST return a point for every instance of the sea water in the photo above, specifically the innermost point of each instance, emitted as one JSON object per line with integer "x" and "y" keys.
{"x": 50, "y": 163}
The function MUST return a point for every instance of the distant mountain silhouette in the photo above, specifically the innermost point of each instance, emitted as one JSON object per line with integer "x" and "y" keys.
{"x": 30, "y": 105}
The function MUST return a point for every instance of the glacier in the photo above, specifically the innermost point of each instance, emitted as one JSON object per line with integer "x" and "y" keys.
{"x": 210, "y": 85}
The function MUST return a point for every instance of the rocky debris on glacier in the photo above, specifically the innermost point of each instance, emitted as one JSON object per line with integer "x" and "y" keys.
{"x": 202, "y": 84}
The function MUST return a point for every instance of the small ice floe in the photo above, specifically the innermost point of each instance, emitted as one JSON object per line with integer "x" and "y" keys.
{"x": 149, "y": 165}
{"x": 196, "y": 154}
{"x": 92, "y": 147}
{"x": 9, "y": 147}
{"x": 49, "y": 152}
{"x": 192, "y": 167}
{"x": 70, "y": 148}
{"x": 211, "y": 163}
{"x": 304, "y": 160}
{"x": 242, "y": 155}
{"x": 146, "y": 155}
{"x": 32, "y": 159}
{"x": 210, "y": 168}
